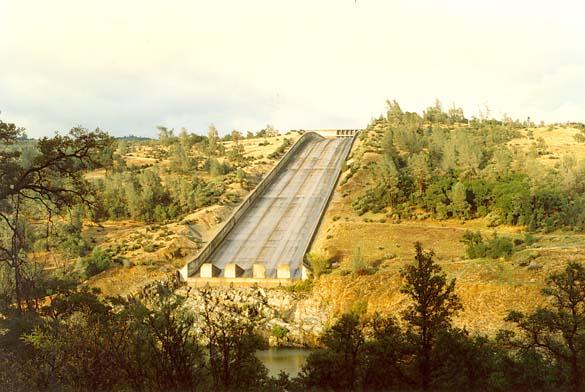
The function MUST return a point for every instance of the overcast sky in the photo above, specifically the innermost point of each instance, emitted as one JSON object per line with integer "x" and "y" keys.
{"x": 129, "y": 66}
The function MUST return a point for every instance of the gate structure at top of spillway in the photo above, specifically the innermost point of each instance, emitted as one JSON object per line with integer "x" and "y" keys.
{"x": 267, "y": 236}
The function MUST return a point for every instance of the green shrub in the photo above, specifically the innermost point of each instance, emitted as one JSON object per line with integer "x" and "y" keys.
{"x": 374, "y": 199}
{"x": 358, "y": 265}
{"x": 216, "y": 168}
{"x": 97, "y": 261}
{"x": 149, "y": 247}
{"x": 280, "y": 150}
{"x": 476, "y": 246}
{"x": 579, "y": 137}
{"x": 529, "y": 239}
{"x": 75, "y": 246}
{"x": 499, "y": 247}
{"x": 304, "y": 286}
{"x": 319, "y": 264}
{"x": 279, "y": 332}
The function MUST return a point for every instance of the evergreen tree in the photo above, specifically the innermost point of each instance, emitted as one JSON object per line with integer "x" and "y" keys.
{"x": 558, "y": 329}
{"x": 434, "y": 305}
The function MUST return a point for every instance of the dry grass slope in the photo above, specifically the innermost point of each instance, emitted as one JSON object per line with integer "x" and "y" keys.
{"x": 488, "y": 288}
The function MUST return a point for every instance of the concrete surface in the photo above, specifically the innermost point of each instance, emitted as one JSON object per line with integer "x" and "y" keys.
{"x": 277, "y": 228}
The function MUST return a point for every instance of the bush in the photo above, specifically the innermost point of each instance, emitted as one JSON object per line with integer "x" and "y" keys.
{"x": 499, "y": 247}
{"x": 150, "y": 247}
{"x": 280, "y": 150}
{"x": 319, "y": 264}
{"x": 97, "y": 261}
{"x": 374, "y": 199}
{"x": 216, "y": 168}
{"x": 474, "y": 245}
{"x": 358, "y": 265}
{"x": 496, "y": 247}
{"x": 529, "y": 239}
{"x": 279, "y": 332}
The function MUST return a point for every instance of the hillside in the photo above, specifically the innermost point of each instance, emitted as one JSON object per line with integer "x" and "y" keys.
{"x": 488, "y": 287}
{"x": 150, "y": 251}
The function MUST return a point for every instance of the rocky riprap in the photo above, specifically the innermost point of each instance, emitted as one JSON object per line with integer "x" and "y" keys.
{"x": 287, "y": 319}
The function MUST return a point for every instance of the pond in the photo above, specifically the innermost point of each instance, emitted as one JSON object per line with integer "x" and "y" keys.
{"x": 291, "y": 360}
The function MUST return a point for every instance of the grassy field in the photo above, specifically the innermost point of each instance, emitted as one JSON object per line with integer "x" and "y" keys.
{"x": 488, "y": 288}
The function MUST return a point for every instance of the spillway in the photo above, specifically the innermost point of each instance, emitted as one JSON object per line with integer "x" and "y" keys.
{"x": 277, "y": 226}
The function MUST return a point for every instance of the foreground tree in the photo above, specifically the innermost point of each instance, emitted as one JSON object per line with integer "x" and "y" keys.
{"x": 558, "y": 330}
{"x": 227, "y": 324}
{"x": 52, "y": 179}
{"x": 375, "y": 353}
{"x": 434, "y": 304}
{"x": 338, "y": 366}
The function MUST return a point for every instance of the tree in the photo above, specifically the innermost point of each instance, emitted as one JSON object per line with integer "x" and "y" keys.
{"x": 180, "y": 159}
{"x": 469, "y": 153}
{"x": 455, "y": 115}
{"x": 435, "y": 303}
{"x": 236, "y": 154}
{"x": 387, "y": 356}
{"x": 419, "y": 166}
{"x": 270, "y": 131}
{"x": 434, "y": 114}
{"x": 393, "y": 113}
{"x": 166, "y": 136}
{"x": 319, "y": 263}
{"x": 228, "y": 322}
{"x": 53, "y": 180}
{"x": 459, "y": 205}
{"x": 159, "y": 317}
{"x": 236, "y": 136}
{"x": 502, "y": 161}
{"x": 337, "y": 367}
{"x": 449, "y": 155}
{"x": 212, "y": 139}
{"x": 145, "y": 342}
{"x": 557, "y": 329}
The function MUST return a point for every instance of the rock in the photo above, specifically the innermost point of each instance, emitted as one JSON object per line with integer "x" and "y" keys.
{"x": 304, "y": 318}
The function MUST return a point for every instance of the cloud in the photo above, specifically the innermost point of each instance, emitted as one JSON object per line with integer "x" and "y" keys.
{"x": 129, "y": 66}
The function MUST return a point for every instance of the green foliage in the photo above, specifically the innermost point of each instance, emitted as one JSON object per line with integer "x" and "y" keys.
{"x": 97, "y": 261}
{"x": 319, "y": 264}
{"x": 495, "y": 247}
{"x": 279, "y": 152}
{"x": 228, "y": 324}
{"x": 303, "y": 286}
{"x": 558, "y": 329}
{"x": 279, "y": 332}
{"x": 434, "y": 303}
{"x": 217, "y": 168}
{"x": 380, "y": 354}
{"x": 579, "y": 137}
{"x": 336, "y": 367}
{"x": 358, "y": 265}
{"x": 180, "y": 159}
{"x": 374, "y": 199}
{"x": 38, "y": 182}
{"x": 151, "y": 341}
{"x": 467, "y": 172}
{"x": 143, "y": 196}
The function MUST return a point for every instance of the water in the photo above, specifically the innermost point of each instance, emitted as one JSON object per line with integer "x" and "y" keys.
{"x": 291, "y": 360}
